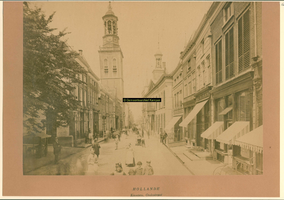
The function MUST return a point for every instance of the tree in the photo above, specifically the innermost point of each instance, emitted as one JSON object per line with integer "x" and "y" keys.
{"x": 50, "y": 73}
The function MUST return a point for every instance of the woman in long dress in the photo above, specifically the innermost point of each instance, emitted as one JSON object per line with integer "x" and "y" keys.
{"x": 130, "y": 160}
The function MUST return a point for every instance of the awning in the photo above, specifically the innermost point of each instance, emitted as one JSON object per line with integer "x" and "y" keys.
{"x": 172, "y": 123}
{"x": 213, "y": 131}
{"x": 192, "y": 114}
{"x": 252, "y": 141}
{"x": 226, "y": 110}
{"x": 235, "y": 131}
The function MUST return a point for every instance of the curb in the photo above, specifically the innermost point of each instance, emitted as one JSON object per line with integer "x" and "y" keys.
{"x": 178, "y": 158}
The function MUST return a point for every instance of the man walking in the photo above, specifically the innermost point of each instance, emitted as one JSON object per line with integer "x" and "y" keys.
{"x": 96, "y": 148}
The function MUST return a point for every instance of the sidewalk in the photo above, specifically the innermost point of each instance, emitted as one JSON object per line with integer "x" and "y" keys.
{"x": 31, "y": 163}
{"x": 199, "y": 163}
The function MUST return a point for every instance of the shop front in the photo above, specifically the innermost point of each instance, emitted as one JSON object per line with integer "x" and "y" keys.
{"x": 224, "y": 142}
{"x": 170, "y": 128}
{"x": 211, "y": 134}
{"x": 190, "y": 117}
{"x": 248, "y": 152}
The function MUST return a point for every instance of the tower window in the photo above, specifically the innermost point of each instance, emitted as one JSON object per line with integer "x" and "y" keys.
{"x": 114, "y": 65}
{"x": 105, "y": 66}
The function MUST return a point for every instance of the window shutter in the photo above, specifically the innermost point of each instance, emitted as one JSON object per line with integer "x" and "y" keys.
{"x": 231, "y": 34}
{"x": 246, "y": 40}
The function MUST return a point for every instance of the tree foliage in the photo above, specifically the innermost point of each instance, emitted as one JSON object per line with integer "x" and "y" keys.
{"x": 50, "y": 71}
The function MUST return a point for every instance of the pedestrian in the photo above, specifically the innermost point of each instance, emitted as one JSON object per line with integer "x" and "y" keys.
{"x": 143, "y": 141}
{"x": 165, "y": 137}
{"x": 96, "y": 146}
{"x": 119, "y": 134}
{"x": 86, "y": 137}
{"x": 161, "y": 137}
{"x": 139, "y": 169}
{"x": 130, "y": 160}
{"x": 148, "y": 133}
{"x": 148, "y": 170}
{"x": 56, "y": 150}
{"x": 118, "y": 170}
{"x": 116, "y": 142}
{"x": 131, "y": 172}
{"x": 90, "y": 137}
{"x": 91, "y": 162}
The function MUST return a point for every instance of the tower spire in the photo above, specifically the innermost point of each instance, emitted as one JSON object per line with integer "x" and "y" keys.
{"x": 109, "y": 5}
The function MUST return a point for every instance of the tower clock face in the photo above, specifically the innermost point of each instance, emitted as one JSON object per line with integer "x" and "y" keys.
{"x": 109, "y": 39}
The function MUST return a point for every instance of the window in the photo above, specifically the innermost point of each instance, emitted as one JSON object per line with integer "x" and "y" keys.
{"x": 218, "y": 49}
{"x": 244, "y": 41}
{"x": 228, "y": 12}
{"x": 105, "y": 66}
{"x": 188, "y": 65}
{"x": 207, "y": 63}
{"x": 185, "y": 90}
{"x": 204, "y": 74}
{"x": 180, "y": 103}
{"x": 219, "y": 106}
{"x": 193, "y": 82}
{"x": 243, "y": 106}
{"x": 202, "y": 47}
{"x": 114, "y": 65}
{"x": 175, "y": 101}
{"x": 229, "y": 53}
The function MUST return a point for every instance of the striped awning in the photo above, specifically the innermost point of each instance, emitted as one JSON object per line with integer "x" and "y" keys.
{"x": 235, "y": 131}
{"x": 226, "y": 110}
{"x": 252, "y": 140}
{"x": 172, "y": 123}
{"x": 192, "y": 114}
{"x": 213, "y": 131}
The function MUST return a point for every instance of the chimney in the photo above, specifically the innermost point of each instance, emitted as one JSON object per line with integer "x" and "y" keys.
{"x": 81, "y": 52}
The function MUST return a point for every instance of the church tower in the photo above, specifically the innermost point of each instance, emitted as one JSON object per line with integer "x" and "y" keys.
{"x": 111, "y": 57}
{"x": 159, "y": 69}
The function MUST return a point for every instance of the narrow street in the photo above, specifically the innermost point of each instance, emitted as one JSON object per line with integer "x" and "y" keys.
{"x": 162, "y": 160}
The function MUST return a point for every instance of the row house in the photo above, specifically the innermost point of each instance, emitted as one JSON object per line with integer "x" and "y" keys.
{"x": 237, "y": 83}
{"x": 217, "y": 88}
{"x": 99, "y": 110}
{"x": 197, "y": 83}
{"x": 178, "y": 91}
{"x": 157, "y": 114}
{"x": 85, "y": 118}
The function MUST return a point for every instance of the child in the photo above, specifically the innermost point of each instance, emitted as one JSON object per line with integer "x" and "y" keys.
{"x": 148, "y": 170}
{"x": 131, "y": 172}
{"x": 118, "y": 170}
{"x": 139, "y": 169}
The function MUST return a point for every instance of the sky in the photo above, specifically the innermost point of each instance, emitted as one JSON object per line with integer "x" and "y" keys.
{"x": 143, "y": 27}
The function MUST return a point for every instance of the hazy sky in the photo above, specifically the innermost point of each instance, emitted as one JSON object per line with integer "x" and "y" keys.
{"x": 140, "y": 26}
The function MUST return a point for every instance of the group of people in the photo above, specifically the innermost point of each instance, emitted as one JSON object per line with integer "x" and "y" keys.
{"x": 148, "y": 169}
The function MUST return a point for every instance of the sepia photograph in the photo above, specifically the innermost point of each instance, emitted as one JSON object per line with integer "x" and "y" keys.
{"x": 142, "y": 88}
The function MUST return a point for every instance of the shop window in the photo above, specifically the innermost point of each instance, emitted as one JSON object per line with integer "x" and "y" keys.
{"x": 229, "y": 53}
{"x": 244, "y": 41}
{"x": 243, "y": 106}
{"x": 219, "y": 107}
{"x": 218, "y": 50}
